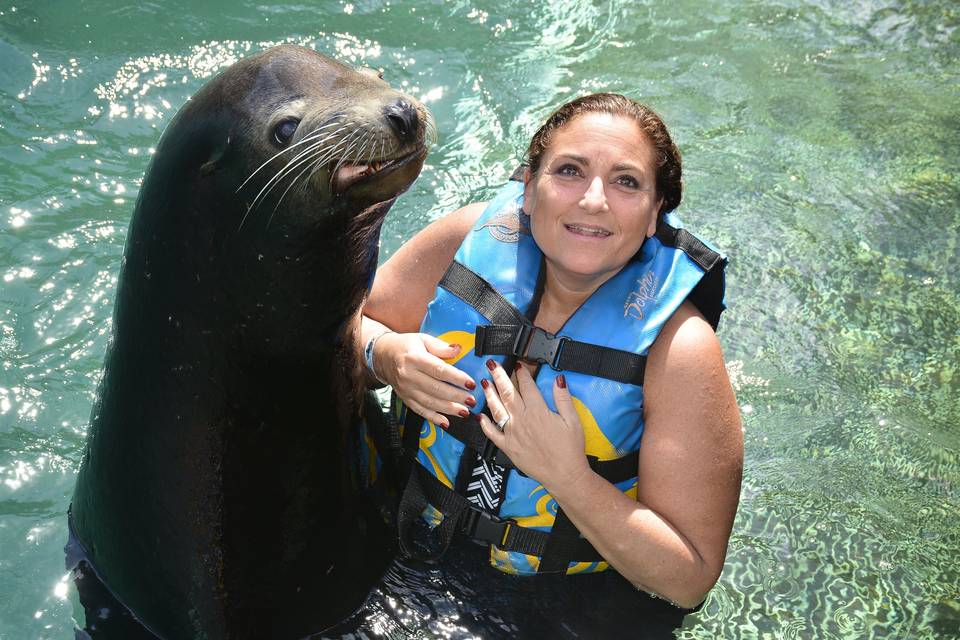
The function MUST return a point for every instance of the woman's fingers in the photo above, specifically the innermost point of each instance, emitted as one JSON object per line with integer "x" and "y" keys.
{"x": 426, "y": 413}
{"x": 491, "y": 430}
{"x": 444, "y": 371}
{"x": 497, "y": 409}
{"x": 564, "y": 401}
{"x": 527, "y": 387}
{"x": 436, "y": 395}
{"x": 504, "y": 387}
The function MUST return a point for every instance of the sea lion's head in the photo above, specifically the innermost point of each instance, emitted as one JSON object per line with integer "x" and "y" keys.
{"x": 303, "y": 132}
{"x": 325, "y": 131}
{"x": 270, "y": 186}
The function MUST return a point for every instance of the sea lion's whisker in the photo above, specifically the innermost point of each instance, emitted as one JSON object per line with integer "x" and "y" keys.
{"x": 343, "y": 157}
{"x": 284, "y": 194}
{"x": 310, "y": 136}
{"x": 351, "y": 142}
{"x": 334, "y": 151}
{"x": 430, "y": 132}
{"x": 264, "y": 192}
{"x": 314, "y": 145}
{"x": 307, "y": 158}
{"x": 290, "y": 166}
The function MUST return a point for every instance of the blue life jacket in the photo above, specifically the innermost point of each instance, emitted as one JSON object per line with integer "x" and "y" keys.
{"x": 485, "y": 303}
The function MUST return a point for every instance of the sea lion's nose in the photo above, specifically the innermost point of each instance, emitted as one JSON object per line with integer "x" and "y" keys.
{"x": 403, "y": 119}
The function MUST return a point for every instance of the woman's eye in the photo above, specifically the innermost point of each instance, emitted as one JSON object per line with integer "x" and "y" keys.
{"x": 628, "y": 181}
{"x": 284, "y": 131}
{"x": 568, "y": 170}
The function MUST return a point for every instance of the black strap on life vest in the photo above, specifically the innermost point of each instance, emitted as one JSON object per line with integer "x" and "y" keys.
{"x": 533, "y": 344}
{"x": 556, "y": 548}
{"x": 512, "y": 334}
{"x": 384, "y": 431}
{"x": 708, "y": 293}
{"x": 480, "y": 294}
{"x": 459, "y": 514}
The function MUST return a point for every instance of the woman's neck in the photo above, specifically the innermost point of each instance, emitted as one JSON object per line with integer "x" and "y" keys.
{"x": 563, "y": 293}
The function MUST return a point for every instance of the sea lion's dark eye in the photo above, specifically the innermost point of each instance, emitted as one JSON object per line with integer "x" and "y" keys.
{"x": 284, "y": 131}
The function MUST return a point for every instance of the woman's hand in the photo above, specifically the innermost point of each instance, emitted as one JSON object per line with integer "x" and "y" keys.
{"x": 544, "y": 445}
{"x": 412, "y": 363}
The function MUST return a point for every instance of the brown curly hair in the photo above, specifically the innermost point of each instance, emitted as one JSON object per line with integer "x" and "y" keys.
{"x": 669, "y": 168}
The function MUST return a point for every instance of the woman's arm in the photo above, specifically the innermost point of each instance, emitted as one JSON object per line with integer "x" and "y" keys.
{"x": 409, "y": 361}
{"x": 672, "y": 539}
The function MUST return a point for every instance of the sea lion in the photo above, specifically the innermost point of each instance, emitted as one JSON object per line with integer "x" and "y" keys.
{"x": 215, "y": 498}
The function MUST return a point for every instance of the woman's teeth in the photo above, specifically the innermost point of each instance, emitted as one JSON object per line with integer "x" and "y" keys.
{"x": 588, "y": 231}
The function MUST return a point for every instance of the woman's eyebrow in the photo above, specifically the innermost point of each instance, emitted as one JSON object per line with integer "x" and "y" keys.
{"x": 627, "y": 166}
{"x": 572, "y": 156}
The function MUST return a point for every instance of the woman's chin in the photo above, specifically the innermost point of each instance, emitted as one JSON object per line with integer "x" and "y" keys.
{"x": 583, "y": 270}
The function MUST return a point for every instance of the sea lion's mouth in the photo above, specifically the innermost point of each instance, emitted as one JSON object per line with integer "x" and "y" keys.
{"x": 349, "y": 175}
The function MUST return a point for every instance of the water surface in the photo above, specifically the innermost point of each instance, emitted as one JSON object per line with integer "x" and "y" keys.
{"x": 820, "y": 151}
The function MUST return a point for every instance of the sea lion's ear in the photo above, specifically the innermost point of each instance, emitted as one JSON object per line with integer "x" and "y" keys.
{"x": 216, "y": 155}
{"x": 373, "y": 73}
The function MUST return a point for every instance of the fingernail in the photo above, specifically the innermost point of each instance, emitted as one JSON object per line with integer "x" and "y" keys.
{"x": 454, "y": 346}
{"x": 476, "y": 416}
{"x": 443, "y": 424}
{"x": 484, "y": 383}
{"x": 491, "y": 365}
{"x": 561, "y": 381}
{"x": 470, "y": 385}
{"x": 470, "y": 402}
{"x": 517, "y": 366}
{"x": 463, "y": 413}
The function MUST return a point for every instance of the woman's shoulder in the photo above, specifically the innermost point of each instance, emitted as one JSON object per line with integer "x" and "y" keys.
{"x": 457, "y": 224}
{"x": 686, "y": 375}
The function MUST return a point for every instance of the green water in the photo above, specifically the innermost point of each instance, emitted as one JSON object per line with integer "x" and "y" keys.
{"x": 820, "y": 144}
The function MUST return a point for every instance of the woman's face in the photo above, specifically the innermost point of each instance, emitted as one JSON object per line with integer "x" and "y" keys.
{"x": 594, "y": 200}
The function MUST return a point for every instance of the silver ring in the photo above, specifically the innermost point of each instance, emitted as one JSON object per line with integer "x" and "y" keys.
{"x": 502, "y": 423}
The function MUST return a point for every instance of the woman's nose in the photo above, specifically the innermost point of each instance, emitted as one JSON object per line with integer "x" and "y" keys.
{"x": 594, "y": 198}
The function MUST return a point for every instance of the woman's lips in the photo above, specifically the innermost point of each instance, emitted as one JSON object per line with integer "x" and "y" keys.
{"x": 587, "y": 231}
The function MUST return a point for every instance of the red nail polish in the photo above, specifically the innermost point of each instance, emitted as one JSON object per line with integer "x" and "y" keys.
{"x": 470, "y": 402}
{"x": 517, "y": 366}
{"x": 491, "y": 365}
{"x": 470, "y": 385}
{"x": 476, "y": 416}
{"x": 562, "y": 381}
{"x": 484, "y": 383}
{"x": 444, "y": 424}
{"x": 454, "y": 346}
{"x": 463, "y": 413}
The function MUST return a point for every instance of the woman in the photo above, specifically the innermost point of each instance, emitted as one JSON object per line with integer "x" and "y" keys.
{"x": 591, "y": 259}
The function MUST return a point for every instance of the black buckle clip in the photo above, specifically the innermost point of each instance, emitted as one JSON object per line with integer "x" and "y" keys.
{"x": 536, "y": 345}
{"x": 486, "y": 527}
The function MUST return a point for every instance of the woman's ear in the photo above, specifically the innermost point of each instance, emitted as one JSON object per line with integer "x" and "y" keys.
{"x": 652, "y": 227}
{"x": 529, "y": 191}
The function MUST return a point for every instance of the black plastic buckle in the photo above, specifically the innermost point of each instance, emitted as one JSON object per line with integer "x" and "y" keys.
{"x": 536, "y": 345}
{"x": 486, "y": 527}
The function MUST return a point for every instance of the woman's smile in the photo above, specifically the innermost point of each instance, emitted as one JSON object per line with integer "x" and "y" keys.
{"x": 588, "y": 231}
